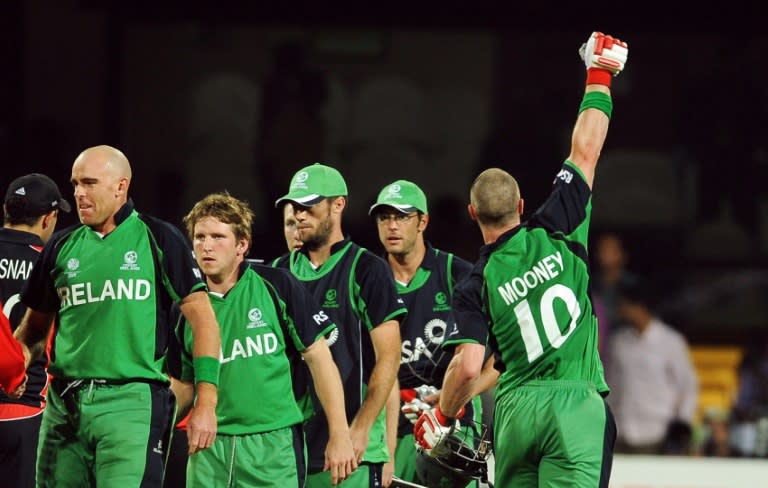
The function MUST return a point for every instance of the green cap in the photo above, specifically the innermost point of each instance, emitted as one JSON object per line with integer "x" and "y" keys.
{"x": 403, "y": 196}
{"x": 310, "y": 185}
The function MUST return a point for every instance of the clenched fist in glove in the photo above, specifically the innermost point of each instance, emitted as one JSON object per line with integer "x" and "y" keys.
{"x": 604, "y": 57}
{"x": 433, "y": 426}
{"x": 414, "y": 401}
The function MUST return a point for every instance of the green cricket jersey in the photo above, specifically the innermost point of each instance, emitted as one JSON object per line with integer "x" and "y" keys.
{"x": 112, "y": 295}
{"x": 266, "y": 320}
{"x": 528, "y": 295}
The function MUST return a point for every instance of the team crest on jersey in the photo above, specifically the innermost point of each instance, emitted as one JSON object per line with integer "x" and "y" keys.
{"x": 441, "y": 302}
{"x": 434, "y": 331}
{"x": 254, "y": 317}
{"x": 330, "y": 299}
{"x": 72, "y": 265}
{"x": 332, "y": 337}
{"x": 129, "y": 260}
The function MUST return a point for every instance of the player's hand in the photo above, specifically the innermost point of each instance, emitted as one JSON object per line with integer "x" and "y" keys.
{"x": 604, "y": 52}
{"x": 201, "y": 427}
{"x": 413, "y": 405}
{"x": 359, "y": 438}
{"x": 340, "y": 457}
{"x": 387, "y": 473}
{"x": 433, "y": 426}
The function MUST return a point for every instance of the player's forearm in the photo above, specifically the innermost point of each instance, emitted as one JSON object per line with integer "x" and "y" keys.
{"x": 380, "y": 386}
{"x": 487, "y": 379}
{"x": 330, "y": 392}
{"x": 32, "y": 334}
{"x": 184, "y": 392}
{"x": 197, "y": 309}
{"x": 393, "y": 417}
{"x": 206, "y": 395}
{"x": 461, "y": 378}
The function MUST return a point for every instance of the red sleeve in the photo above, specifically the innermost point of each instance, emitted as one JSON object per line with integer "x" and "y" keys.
{"x": 11, "y": 358}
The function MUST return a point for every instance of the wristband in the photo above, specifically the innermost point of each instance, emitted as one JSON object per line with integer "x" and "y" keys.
{"x": 599, "y": 100}
{"x": 599, "y": 76}
{"x": 446, "y": 421}
{"x": 206, "y": 369}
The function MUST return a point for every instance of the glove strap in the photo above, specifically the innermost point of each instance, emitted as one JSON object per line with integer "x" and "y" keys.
{"x": 598, "y": 76}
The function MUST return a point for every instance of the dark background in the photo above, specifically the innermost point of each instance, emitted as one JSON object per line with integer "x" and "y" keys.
{"x": 203, "y": 99}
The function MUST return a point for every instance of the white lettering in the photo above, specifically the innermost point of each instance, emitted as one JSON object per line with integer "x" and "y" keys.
{"x": 320, "y": 317}
{"x": 257, "y": 345}
{"x": 82, "y": 293}
{"x": 518, "y": 287}
{"x": 77, "y": 293}
{"x": 15, "y": 269}
{"x": 108, "y": 291}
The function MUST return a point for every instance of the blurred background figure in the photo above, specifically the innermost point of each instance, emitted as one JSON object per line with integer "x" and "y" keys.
{"x": 749, "y": 435}
{"x": 654, "y": 389}
{"x": 610, "y": 258}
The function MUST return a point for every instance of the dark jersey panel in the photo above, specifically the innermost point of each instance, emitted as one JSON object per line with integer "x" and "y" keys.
{"x": 19, "y": 252}
{"x": 307, "y": 320}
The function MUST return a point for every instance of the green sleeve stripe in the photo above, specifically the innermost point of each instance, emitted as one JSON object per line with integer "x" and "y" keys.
{"x": 459, "y": 341}
{"x": 324, "y": 333}
{"x": 399, "y": 311}
{"x": 450, "y": 274}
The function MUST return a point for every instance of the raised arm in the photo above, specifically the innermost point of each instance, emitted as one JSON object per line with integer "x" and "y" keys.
{"x": 604, "y": 58}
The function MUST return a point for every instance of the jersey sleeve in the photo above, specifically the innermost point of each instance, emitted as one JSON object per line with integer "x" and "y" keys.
{"x": 567, "y": 210}
{"x": 39, "y": 291}
{"x": 377, "y": 298}
{"x": 460, "y": 269}
{"x": 181, "y": 276}
{"x": 305, "y": 321}
{"x": 471, "y": 320}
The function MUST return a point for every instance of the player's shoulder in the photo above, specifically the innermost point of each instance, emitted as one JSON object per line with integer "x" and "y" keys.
{"x": 159, "y": 227}
{"x": 280, "y": 278}
{"x": 61, "y": 236}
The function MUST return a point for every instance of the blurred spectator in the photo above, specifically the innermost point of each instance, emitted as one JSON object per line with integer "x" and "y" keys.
{"x": 654, "y": 391}
{"x": 715, "y": 434}
{"x": 611, "y": 260}
{"x": 750, "y": 413}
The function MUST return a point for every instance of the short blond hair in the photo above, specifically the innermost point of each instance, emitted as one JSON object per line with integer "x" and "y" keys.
{"x": 495, "y": 195}
{"x": 225, "y": 208}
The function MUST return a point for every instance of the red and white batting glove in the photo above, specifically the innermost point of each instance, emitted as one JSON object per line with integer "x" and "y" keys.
{"x": 433, "y": 426}
{"x": 604, "y": 57}
{"x": 413, "y": 405}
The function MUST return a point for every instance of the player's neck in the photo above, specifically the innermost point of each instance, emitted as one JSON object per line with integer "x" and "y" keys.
{"x": 404, "y": 266}
{"x": 492, "y": 234}
{"x": 225, "y": 281}
{"x": 321, "y": 254}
